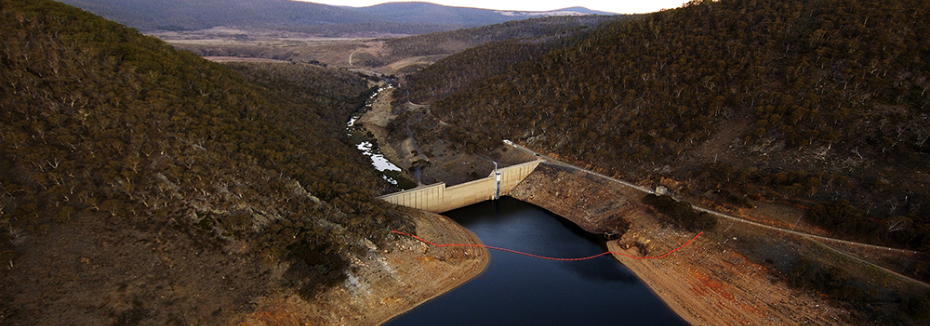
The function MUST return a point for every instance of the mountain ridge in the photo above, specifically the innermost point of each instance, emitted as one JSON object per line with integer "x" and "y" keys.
{"x": 180, "y": 15}
{"x": 557, "y": 12}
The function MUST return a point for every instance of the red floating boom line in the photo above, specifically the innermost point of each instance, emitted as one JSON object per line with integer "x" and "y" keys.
{"x": 544, "y": 257}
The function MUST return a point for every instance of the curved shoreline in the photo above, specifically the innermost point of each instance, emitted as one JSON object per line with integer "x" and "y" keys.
{"x": 706, "y": 283}
{"x": 385, "y": 284}
{"x": 647, "y": 274}
{"x": 470, "y": 271}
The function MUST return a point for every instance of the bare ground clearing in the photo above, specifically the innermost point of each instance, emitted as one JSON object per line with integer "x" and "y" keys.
{"x": 369, "y": 53}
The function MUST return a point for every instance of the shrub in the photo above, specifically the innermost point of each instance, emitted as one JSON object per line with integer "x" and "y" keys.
{"x": 681, "y": 212}
{"x": 841, "y": 217}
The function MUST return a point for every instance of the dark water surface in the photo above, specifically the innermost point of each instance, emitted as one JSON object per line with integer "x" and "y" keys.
{"x": 520, "y": 290}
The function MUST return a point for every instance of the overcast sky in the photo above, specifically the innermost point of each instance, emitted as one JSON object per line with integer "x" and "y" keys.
{"x": 614, "y": 6}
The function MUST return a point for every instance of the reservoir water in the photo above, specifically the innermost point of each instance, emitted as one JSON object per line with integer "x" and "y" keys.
{"x": 520, "y": 290}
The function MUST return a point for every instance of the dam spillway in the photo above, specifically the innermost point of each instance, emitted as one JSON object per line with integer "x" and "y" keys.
{"x": 438, "y": 198}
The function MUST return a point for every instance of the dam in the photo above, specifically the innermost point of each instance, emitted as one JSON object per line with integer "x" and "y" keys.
{"x": 438, "y": 198}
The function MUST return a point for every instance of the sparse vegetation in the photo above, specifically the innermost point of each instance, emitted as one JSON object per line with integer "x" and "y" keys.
{"x": 825, "y": 279}
{"x": 682, "y": 213}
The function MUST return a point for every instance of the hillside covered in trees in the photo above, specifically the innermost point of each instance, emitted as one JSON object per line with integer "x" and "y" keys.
{"x": 819, "y": 103}
{"x": 138, "y": 182}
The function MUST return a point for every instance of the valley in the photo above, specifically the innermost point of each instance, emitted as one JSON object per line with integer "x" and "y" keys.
{"x": 737, "y": 270}
{"x": 141, "y": 183}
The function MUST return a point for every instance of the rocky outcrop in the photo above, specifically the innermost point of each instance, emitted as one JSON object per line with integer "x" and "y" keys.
{"x": 596, "y": 204}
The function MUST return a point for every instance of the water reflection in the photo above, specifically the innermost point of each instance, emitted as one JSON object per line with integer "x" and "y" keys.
{"x": 521, "y": 290}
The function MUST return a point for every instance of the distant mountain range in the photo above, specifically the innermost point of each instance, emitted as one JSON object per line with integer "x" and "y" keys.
{"x": 429, "y": 13}
{"x": 571, "y": 11}
{"x": 394, "y": 18}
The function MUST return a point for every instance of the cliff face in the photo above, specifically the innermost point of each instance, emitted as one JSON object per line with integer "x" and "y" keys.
{"x": 597, "y": 205}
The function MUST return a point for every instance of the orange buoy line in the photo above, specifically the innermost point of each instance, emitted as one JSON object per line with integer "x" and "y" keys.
{"x": 544, "y": 257}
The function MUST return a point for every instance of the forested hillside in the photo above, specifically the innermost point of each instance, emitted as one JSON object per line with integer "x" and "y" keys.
{"x": 307, "y": 85}
{"x": 810, "y": 101}
{"x": 138, "y": 182}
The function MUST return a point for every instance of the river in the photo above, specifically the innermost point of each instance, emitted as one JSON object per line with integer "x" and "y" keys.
{"x": 521, "y": 290}
{"x": 368, "y": 145}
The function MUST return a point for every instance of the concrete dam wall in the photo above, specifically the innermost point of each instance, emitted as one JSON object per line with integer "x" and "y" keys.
{"x": 438, "y": 198}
